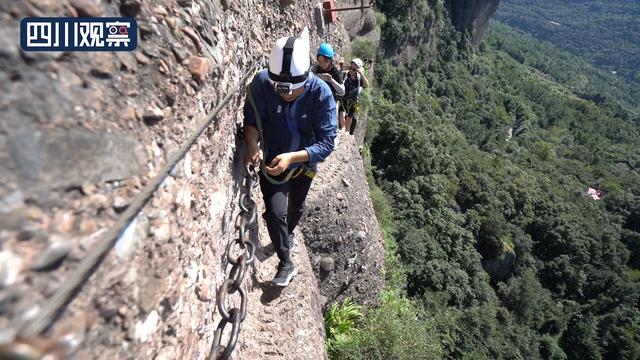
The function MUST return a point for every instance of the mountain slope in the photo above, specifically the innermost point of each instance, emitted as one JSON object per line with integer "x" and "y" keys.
{"x": 606, "y": 33}
{"x": 485, "y": 162}
{"x": 574, "y": 72}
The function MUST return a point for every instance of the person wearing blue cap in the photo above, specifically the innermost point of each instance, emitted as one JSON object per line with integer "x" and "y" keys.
{"x": 327, "y": 71}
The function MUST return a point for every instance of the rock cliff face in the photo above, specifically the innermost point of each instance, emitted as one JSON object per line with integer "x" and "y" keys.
{"x": 472, "y": 15}
{"x": 467, "y": 16}
{"x": 342, "y": 232}
{"x": 80, "y": 136}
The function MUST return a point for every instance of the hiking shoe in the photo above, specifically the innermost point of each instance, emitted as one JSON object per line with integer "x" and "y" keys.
{"x": 285, "y": 273}
{"x": 292, "y": 243}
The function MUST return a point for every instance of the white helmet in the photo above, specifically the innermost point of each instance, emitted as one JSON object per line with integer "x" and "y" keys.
{"x": 289, "y": 63}
{"x": 358, "y": 62}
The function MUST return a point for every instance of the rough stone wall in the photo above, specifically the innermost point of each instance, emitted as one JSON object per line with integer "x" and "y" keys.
{"x": 82, "y": 133}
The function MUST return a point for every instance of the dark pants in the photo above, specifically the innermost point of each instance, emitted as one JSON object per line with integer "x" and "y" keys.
{"x": 284, "y": 205}
{"x": 354, "y": 124}
{"x": 351, "y": 109}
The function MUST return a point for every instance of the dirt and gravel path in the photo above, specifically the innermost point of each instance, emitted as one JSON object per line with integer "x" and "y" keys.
{"x": 338, "y": 254}
{"x": 284, "y": 323}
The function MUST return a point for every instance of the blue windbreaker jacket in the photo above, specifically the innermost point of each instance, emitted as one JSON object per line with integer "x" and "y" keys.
{"x": 309, "y": 123}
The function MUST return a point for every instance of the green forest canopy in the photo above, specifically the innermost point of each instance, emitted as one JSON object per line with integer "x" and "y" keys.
{"x": 605, "y": 33}
{"x": 484, "y": 159}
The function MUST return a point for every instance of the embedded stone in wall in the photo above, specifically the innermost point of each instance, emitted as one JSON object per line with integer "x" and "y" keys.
{"x": 199, "y": 67}
{"x": 49, "y": 159}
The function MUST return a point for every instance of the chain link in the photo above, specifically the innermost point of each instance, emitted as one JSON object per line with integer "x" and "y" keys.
{"x": 233, "y": 284}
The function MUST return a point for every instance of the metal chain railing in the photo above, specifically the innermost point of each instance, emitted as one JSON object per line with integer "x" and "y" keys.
{"x": 233, "y": 284}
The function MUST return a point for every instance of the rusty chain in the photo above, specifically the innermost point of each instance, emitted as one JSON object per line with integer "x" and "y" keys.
{"x": 233, "y": 284}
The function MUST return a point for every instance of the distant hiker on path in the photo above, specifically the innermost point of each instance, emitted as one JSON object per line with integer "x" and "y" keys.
{"x": 290, "y": 125}
{"x": 353, "y": 84}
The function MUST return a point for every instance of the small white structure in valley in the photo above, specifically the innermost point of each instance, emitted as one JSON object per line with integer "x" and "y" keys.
{"x": 595, "y": 194}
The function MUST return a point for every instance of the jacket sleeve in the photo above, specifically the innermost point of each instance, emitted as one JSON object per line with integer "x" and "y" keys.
{"x": 249, "y": 113}
{"x": 325, "y": 123}
{"x": 338, "y": 82}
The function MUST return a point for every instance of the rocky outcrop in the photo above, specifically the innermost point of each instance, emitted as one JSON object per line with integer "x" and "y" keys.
{"x": 501, "y": 266}
{"x": 358, "y": 22}
{"x": 80, "y": 136}
{"x": 467, "y": 16}
{"x": 472, "y": 15}
{"x": 341, "y": 229}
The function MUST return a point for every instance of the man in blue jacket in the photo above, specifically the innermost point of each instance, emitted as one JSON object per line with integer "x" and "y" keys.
{"x": 290, "y": 125}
